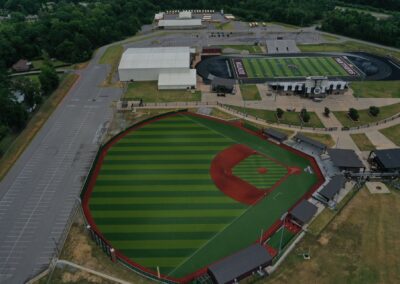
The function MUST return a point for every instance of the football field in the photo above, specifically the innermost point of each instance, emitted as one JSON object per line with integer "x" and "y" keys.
{"x": 156, "y": 203}
{"x": 292, "y": 67}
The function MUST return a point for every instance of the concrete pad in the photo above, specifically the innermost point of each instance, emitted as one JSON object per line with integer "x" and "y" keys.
{"x": 379, "y": 140}
{"x": 377, "y": 188}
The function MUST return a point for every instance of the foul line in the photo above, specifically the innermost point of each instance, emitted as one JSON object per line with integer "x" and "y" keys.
{"x": 224, "y": 228}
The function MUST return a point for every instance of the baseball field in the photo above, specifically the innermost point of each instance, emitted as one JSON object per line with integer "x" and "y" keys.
{"x": 155, "y": 200}
{"x": 292, "y": 67}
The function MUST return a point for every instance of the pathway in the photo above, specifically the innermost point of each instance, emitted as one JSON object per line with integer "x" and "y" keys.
{"x": 103, "y": 275}
{"x": 379, "y": 140}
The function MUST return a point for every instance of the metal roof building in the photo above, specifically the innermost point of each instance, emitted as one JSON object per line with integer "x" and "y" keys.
{"x": 332, "y": 187}
{"x": 275, "y": 134}
{"x": 316, "y": 144}
{"x": 180, "y": 24}
{"x": 240, "y": 264}
{"x": 303, "y": 212}
{"x": 177, "y": 80}
{"x": 155, "y": 63}
{"x": 387, "y": 159}
{"x": 345, "y": 159}
{"x": 185, "y": 15}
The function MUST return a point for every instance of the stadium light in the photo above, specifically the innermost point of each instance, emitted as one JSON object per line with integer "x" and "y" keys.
{"x": 283, "y": 218}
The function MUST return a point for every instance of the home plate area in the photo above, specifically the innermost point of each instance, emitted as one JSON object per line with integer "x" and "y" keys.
{"x": 247, "y": 175}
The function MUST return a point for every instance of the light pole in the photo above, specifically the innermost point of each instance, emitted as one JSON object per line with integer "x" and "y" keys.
{"x": 283, "y": 218}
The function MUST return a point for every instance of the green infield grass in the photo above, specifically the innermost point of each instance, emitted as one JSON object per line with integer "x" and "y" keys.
{"x": 292, "y": 67}
{"x": 155, "y": 201}
{"x": 249, "y": 170}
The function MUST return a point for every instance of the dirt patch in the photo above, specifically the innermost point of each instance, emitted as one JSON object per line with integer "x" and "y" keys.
{"x": 323, "y": 239}
{"x": 68, "y": 277}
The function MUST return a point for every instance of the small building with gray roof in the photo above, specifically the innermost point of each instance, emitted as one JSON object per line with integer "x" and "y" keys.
{"x": 346, "y": 160}
{"x": 240, "y": 265}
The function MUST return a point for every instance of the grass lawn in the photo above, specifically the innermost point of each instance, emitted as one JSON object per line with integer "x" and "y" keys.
{"x": 224, "y": 26}
{"x": 37, "y": 64}
{"x": 249, "y": 48}
{"x": 347, "y": 46}
{"x": 362, "y": 141}
{"x": 250, "y": 92}
{"x": 379, "y": 89}
{"x": 34, "y": 125}
{"x": 329, "y": 37}
{"x": 222, "y": 114}
{"x": 365, "y": 117}
{"x": 291, "y": 118}
{"x": 155, "y": 201}
{"x": 80, "y": 249}
{"x": 111, "y": 56}
{"x": 393, "y": 133}
{"x": 361, "y": 245}
{"x": 149, "y": 92}
{"x": 323, "y": 138}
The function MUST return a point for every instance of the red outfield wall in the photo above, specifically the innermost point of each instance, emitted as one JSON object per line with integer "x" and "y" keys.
{"x": 144, "y": 270}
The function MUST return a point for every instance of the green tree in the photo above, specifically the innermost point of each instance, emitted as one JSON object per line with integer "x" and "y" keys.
{"x": 279, "y": 113}
{"x": 327, "y": 111}
{"x": 48, "y": 79}
{"x": 30, "y": 89}
{"x": 374, "y": 111}
{"x": 353, "y": 113}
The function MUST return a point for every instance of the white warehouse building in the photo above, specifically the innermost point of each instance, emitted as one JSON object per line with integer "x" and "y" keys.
{"x": 170, "y": 66}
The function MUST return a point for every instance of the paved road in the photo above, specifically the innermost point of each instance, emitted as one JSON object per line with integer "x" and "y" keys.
{"x": 39, "y": 192}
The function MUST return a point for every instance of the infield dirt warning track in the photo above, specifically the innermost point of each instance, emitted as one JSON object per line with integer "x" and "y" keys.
{"x": 152, "y": 196}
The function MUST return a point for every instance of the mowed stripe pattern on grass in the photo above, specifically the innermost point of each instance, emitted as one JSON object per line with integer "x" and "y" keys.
{"x": 154, "y": 199}
{"x": 248, "y": 170}
{"x": 290, "y": 67}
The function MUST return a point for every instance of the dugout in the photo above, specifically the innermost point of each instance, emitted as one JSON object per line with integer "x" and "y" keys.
{"x": 240, "y": 265}
{"x": 387, "y": 160}
{"x": 303, "y": 212}
{"x": 301, "y": 138}
{"x": 332, "y": 188}
{"x": 346, "y": 160}
{"x": 275, "y": 134}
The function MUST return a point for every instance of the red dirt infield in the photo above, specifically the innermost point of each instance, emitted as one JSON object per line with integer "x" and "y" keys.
{"x": 235, "y": 187}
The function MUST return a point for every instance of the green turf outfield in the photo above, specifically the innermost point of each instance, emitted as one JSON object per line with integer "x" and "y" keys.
{"x": 248, "y": 170}
{"x": 291, "y": 67}
{"x": 154, "y": 199}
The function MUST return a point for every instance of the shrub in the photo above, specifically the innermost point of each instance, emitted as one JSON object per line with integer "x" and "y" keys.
{"x": 374, "y": 111}
{"x": 353, "y": 113}
{"x": 279, "y": 113}
{"x": 305, "y": 116}
{"x": 327, "y": 111}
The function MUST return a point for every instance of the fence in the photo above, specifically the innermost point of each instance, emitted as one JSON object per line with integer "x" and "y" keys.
{"x": 96, "y": 236}
{"x": 372, "y": 124}
{"x": 249, "y": 116}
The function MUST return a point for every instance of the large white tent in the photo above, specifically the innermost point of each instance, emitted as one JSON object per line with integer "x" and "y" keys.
{"x": 155, "y": 63}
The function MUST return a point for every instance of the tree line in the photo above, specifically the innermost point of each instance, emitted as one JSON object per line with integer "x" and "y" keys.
{"x": 364, "y": 26}
{"x": 70, "y": 30}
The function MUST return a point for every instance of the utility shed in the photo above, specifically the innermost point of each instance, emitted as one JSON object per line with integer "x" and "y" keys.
{"x": 275, "y": 134}
{"x": 303, "y": 212}
{"x": 387, "y": 160}
{"x": 177, "y": 80}
{"x": 240, "y": 264}
{"x": 346, "y": 159}
{"x": 332, "y": 187}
